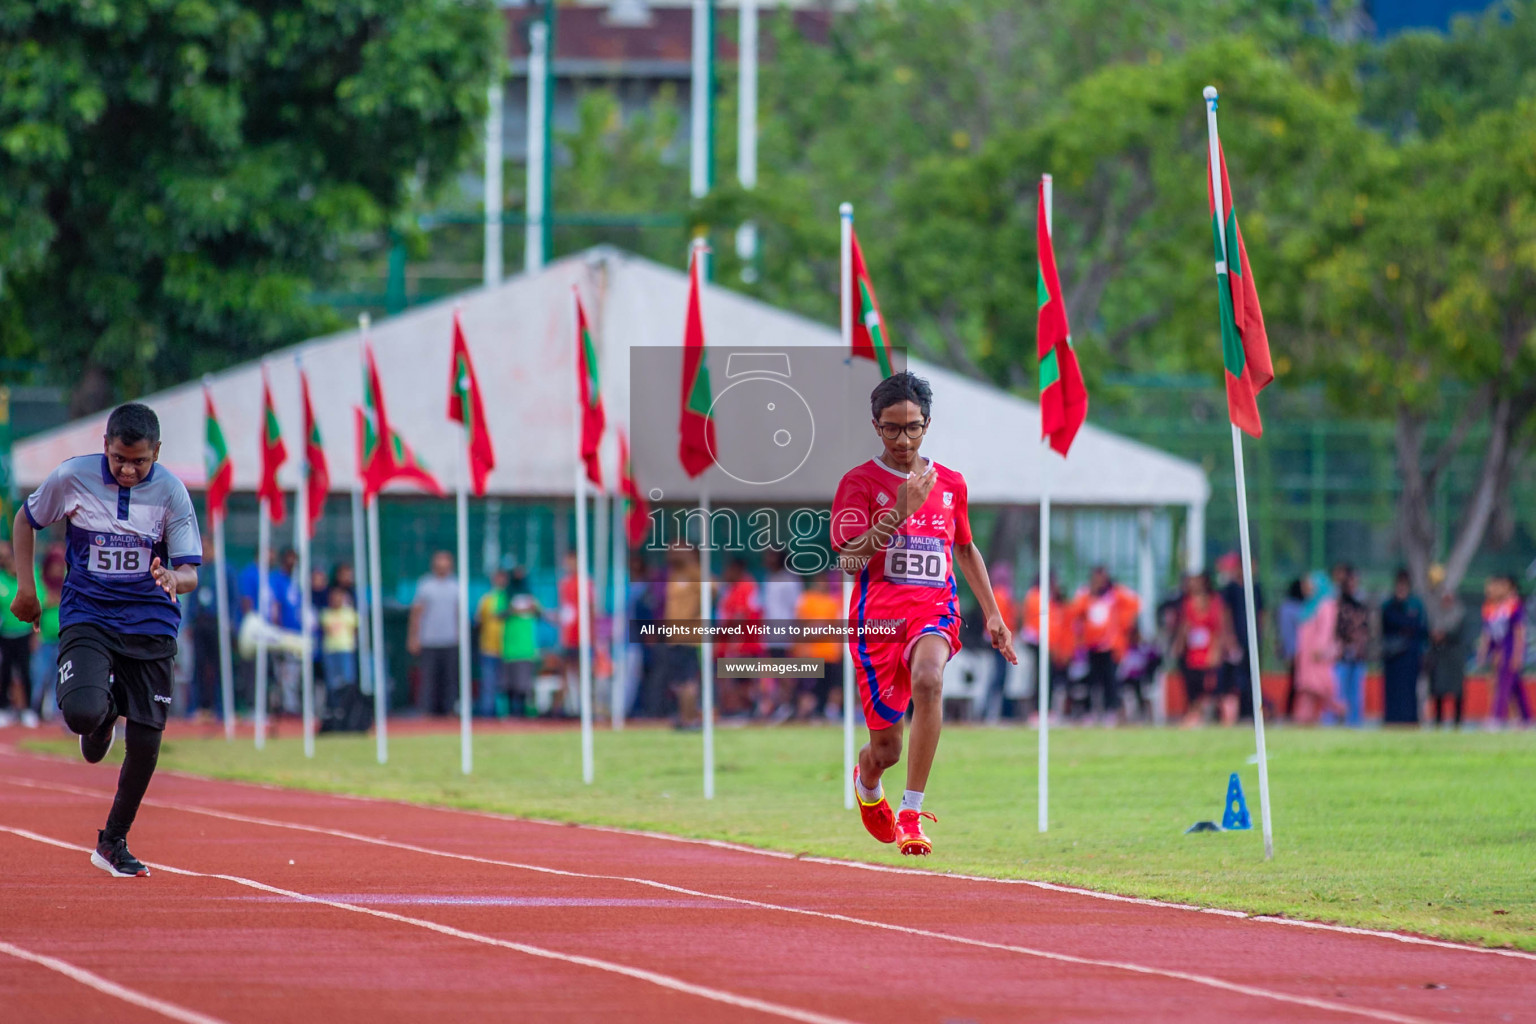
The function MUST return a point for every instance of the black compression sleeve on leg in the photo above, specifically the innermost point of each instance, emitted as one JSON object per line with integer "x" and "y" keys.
{"x": 141, "y": 752}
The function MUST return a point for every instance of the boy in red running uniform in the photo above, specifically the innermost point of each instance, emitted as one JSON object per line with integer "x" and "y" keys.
{"x": 900, "y": 525}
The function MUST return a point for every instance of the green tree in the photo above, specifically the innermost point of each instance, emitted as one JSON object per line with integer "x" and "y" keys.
{"x": 178, "y": 175}
{"x": 1426, "y": 307}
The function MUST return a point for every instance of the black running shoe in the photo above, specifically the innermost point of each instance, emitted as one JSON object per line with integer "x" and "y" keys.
{"x": 94, "y": 746}
{"x": 112, "y": 856}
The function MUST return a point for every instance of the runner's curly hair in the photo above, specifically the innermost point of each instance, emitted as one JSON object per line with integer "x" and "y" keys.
{"x": 905, "y": 386}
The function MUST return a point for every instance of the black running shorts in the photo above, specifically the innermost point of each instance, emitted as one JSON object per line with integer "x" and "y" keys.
{"x": 137, "y": 670}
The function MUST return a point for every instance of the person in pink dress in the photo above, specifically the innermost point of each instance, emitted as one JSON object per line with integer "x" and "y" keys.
{"x": 1317, "y": 649}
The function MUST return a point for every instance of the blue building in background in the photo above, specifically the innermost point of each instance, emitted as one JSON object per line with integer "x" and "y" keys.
{"x": 1390, "y": 17}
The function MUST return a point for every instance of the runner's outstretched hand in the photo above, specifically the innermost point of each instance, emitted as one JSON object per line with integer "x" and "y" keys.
{"x": 165, "y": 579}
{"x": 1002, "y": 638}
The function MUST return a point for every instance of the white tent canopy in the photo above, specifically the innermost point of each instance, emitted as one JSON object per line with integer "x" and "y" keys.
{"x": 520, "y": 338}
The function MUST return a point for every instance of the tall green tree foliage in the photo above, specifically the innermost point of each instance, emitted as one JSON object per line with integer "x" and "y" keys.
{"x": 179, "y": 174}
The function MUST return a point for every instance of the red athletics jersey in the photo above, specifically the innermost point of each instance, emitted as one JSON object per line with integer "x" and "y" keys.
{"x": 914, "y": 577}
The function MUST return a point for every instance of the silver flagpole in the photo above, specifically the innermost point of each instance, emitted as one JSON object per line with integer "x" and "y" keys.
{"x": 1242, "y": 497}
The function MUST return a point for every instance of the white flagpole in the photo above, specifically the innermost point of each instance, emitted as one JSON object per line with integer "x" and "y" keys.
{"x": 845, "y": 213}
{"x": 461, "y": 520}
{"x": 376, "y": 606}
{"x": 491, "y": 263}
{"x": 360, "y": 576}
{"x": 1043, "y": 661}
{"x": 221, "y": 599}
{"x": 538, "y": 83}
{"x": 619, "y": 654}
{"x": 306, "y": 606}
{"x": 264, "y": 611}
{"x": 583, "y": 595}
{"x": 1242, "y": 499}
{"x": 706, "y": 651}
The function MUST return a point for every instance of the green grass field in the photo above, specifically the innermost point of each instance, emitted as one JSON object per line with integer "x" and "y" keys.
{"x": 1433, "y": 833}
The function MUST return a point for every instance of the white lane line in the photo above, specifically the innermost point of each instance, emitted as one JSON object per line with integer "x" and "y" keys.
{"x": 1067, "y": 958}
{"x": 721, "y": 844}
{"x": 111, "y": 988}
{"x": 756, "y": 851}
{"x": 638, "y": 974}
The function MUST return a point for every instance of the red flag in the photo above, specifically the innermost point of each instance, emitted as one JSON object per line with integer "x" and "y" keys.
{"x": 382, "y": 454}
{"x": 639, "y": 519}
{"x": 696, "y": 427}
{"x": 465, "y": 406}
{"x": 1063, "y": 396}
{"x": 593, "y": 419}
{"x": 273, "y": 454}
{"x": 221, "y": 472}
{"x": 319, "y": 484}
{"x": 870, "y": 341}
{"x": 1244, "y": 342}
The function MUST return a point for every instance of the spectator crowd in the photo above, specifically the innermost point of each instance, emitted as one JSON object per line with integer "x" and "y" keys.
{"x": 1326, "y": 635}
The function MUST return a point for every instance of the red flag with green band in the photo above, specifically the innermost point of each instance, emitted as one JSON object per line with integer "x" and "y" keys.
{"x": 220, "y": 471}
{"x": 318, "y": 486}
{"x": 593, "y": 419}
{"x": 696, "y": 428}
{"x": 870, "y": 341}
{"x": 273, "y": 454}
{"x": 1063, "y": 396}
{"x": 1244, "y": 343}
{"x": 465, "y": 406}
{"x": 638, "y": 521}
{"x": 383, "y": 454}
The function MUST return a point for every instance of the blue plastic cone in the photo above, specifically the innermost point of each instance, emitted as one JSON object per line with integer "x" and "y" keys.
{"x": 1235, "y": 815}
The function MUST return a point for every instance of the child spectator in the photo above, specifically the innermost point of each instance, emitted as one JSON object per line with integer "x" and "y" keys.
{"x": 1204, "y": 635}
{"x": 490, "y": 620}
{"x": 338, "y": 641}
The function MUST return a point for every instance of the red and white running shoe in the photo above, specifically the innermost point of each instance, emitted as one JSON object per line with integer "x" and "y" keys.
{"x": 878, "y": 819}
{"x": 909, "y": 832}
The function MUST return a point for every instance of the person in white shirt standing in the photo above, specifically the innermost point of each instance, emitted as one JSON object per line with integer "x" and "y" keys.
{"x": 433, "y": 637}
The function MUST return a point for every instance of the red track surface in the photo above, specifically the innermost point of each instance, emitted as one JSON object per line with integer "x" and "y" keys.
{"x": 276, "y": 905}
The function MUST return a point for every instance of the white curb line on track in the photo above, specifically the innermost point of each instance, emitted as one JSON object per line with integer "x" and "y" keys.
{"x": 111, "y": 988}
{"x": 1198, "y": 979}
{"x": 721, "y": 844}
{"x": 639, "y": 974}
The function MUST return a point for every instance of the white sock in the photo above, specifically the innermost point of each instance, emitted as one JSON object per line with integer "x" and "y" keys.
{"x": 912, "y": 800}
{"x": 869, "y": 796}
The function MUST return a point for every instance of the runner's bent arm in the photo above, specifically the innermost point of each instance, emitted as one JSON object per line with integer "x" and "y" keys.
{"x": 910, "y": 496}
{"x": 25, "y": 606}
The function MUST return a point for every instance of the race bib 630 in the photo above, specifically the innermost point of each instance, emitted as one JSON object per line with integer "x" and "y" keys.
{"x": 917, "y": 561}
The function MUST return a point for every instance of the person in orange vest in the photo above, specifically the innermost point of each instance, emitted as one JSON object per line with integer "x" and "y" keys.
{"x": 1105, "y": 613}
{"x": 1062, "y": 646}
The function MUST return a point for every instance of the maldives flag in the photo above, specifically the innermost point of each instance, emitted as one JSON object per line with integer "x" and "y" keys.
{"x": 273, "y": 454}
{"x": 593, "y": 419}
{"x": 220, "y": 471}
{"x": 639, "y": 518}
{"x": 869, "y": 338}
{"x": 695, "y": 428}
{"x": 465, "y": 406}
{"x": 1063, "y": 396}
{"x": 1244, "y": 343}
{"x": 382, "y": 454}
{"x": 319, "y": 482}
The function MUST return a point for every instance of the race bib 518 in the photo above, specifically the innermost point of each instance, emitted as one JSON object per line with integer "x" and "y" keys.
{"x": 114, "y": 554}
{"x": 917, "y": 561}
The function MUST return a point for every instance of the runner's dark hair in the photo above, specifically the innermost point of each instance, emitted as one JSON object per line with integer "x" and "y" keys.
{"x": 905, "y": 386}
{"x": 133, "y": 423}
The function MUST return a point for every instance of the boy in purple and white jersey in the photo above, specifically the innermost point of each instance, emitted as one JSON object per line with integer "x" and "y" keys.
{"x": 132, "y": 545}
